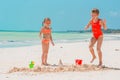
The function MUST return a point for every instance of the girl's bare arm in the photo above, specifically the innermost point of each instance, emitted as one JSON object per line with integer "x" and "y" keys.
{"x": 40, "y": 34}
{"x": 88, "y": 25}
{"x": 51, "y": 39}
{"x": 103, "y": 23}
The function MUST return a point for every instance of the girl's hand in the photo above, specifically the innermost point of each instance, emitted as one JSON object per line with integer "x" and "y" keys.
{"x": 40, "y": 36}
{"x": 85, "y": 28}
{"x": 52, "y": 43}
{"x": 104, "y": 21}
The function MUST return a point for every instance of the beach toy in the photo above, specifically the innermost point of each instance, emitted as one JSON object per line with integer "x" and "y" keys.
{"x": 78, "y": 61}
{"x": 31, "y": 65}
{"x": 60, "y": 63}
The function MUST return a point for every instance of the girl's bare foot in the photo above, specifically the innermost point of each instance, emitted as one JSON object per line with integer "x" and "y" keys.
{"x": 93, "y": 59}
{"x": 45, "y": 64}
{"x": 100, "y": 64}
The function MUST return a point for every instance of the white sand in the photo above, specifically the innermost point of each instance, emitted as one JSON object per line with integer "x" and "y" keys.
{"x": 21, "y": 57}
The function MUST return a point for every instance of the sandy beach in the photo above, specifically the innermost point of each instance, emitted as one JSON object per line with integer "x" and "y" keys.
{"x": 67, "y": 52}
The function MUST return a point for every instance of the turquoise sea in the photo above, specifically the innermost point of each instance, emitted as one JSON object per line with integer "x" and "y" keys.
{"x": 18, "y": 39}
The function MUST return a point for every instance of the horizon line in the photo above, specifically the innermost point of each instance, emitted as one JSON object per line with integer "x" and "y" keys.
{"x": 53, "y": 31}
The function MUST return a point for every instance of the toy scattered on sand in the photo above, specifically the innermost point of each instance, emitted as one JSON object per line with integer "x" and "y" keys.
{"x": 65, "y": 68}
{"x": 60, "y": 63}
{"x": 78, "y": 61}
{"x": 31, "y": 65}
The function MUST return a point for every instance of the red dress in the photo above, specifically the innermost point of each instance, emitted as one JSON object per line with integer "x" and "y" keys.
{"x": 96, "y": 29}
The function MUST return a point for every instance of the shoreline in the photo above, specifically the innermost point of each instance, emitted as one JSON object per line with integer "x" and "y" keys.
{"x": 38, "y": 43}
{"x": 31, "y": 39}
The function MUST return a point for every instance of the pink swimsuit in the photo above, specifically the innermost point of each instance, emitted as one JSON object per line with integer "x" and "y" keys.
{"x": 46, "y": 31}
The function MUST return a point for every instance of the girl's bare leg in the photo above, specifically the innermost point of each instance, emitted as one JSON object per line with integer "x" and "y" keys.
{"x": 92, "y": 42}
{"x": 45, "y": 48}
{"x": 99, "y": 44}
{"x": 43, "y": 53}
{"x": 46, "y": 53}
